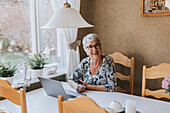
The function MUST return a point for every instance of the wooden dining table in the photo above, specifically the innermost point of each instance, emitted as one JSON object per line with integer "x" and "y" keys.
{"x": 39, "y": 102}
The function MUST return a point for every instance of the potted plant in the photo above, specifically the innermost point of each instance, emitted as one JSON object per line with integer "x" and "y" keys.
{"x": 37, "y": 62}
{"x": 7, "y": 71}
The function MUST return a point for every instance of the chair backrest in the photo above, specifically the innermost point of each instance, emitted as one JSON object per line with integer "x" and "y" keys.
{"x": 81, "y": 104}
{"x": 119, "y": 58}
{"x": 155, "y": 72}
{"x": 12, "y": 94}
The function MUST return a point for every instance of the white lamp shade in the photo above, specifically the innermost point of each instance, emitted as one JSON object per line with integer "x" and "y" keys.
{"x": 67, "y": 18}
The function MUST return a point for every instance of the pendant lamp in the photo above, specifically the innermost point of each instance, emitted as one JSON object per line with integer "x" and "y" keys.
{"x": 67, "y": 17}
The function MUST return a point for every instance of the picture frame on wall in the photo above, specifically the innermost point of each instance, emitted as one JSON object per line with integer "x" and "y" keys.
{"x": 155, "y": 7}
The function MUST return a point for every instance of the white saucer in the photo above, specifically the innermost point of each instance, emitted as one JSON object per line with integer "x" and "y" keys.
{"x": 124, "y": 111}
{"x": 120, "y": 110}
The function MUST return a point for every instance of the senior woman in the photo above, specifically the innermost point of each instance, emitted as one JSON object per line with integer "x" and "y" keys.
{"x": 96, "y": 72}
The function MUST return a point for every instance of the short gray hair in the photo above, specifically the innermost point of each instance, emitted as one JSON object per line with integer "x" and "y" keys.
{"x": 90, "y": 37}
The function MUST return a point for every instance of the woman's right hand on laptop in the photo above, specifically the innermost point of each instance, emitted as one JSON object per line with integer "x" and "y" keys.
{"x": 80, "y": 88}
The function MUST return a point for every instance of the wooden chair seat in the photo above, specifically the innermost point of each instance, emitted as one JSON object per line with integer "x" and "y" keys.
{"x": 81, "y": 104}
{"x": 119, "y": 58}
{"x": 155, "y": 72}
{"x": 12, "y": 94}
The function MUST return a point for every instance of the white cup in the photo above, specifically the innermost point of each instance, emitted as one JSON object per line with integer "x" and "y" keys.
{"x": 130, "y": 106}
{"x": 116, "y": 106}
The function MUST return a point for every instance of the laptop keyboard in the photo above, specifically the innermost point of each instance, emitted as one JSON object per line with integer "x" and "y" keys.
{"x": 69, "y": 92}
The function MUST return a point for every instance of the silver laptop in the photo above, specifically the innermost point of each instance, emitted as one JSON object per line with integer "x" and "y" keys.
{"x": 54, "y": 88}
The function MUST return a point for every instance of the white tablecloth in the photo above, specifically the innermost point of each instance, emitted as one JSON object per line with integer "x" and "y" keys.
{"x": 39, "y": 102}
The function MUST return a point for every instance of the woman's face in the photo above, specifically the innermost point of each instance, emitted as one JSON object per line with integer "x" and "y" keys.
{"x": 93, "y": 49}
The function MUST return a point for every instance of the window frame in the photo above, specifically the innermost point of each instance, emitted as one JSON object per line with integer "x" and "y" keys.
{"x": 36, "y": 32}
{"x": 36, "y": 46}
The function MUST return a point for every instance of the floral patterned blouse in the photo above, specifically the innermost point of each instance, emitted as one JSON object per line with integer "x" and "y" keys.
{"x": 105, "y": 76}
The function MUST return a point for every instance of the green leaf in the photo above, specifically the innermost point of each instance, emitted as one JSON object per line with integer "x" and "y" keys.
{"x": 7, "y": 69}
{"x": 37, "y": 61}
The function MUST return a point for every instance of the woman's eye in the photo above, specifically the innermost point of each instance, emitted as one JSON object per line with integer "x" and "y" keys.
{"x": 89, "y": 46}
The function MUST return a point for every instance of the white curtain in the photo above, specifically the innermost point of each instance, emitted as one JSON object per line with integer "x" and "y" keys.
{"x": 69, "y": 35}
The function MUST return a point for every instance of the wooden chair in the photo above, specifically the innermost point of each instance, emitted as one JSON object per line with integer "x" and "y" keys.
{"x": 119, "y": 58}
{"x": 155, "y": 72}
{"x": 12, "y": 94}
{"x": 81, "y": 104}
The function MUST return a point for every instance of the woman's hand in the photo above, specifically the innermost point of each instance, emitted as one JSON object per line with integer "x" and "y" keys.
{"x": 85, "y": 83}
{"x": 80, "y": 88}
{"x": 93, "y": 87}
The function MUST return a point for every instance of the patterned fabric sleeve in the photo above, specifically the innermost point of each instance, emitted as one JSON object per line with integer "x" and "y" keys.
{"x": 77, "y": 74}
{"x": 111, "y": 84}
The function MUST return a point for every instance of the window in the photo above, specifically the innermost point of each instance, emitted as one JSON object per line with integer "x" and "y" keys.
{"x": 50, "y": 45}
{"x": 20, "y": 32}
{"x": 15, "y": 33}
{"x": 21, "y": 35}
